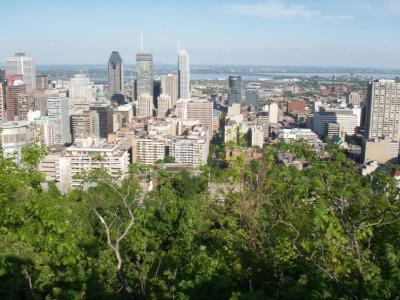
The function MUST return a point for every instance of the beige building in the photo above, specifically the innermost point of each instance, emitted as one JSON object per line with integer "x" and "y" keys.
{"x": 382, "y": 151}
{"x": 144, "y": 106}
{"x": 257, "y": 136}
{"x": 163, "y": 105}
{"x": 84, "y": 124}
{"x": 201, "y": 110}
{"x": 169, "y": 86}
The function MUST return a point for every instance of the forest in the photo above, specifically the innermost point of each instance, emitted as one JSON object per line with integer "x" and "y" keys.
{"x": 255, "y": 230}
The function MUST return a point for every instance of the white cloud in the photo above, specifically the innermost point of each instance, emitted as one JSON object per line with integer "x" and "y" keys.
{"x": 271, "y": 9}
{"x": 337, "y": 18}
{"x": 274, "y": 8}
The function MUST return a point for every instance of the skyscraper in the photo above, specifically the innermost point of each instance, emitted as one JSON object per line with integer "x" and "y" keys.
{"x": 252, "y": 96}
{"x": 80, "y": 92}
{"x": 383, "y": 110}
{"x": 382, "y": 129}
{"x": 144, "y": 66}
{"x": 20, "y": 64}
{"x": 169, "y": 86}
{"x": 235, "y": 89}
{"x": 115, "y": 74}
{"x": 183, "y": 74}
{"x": 2, "y": 98}
{"x": 58, "y": 113}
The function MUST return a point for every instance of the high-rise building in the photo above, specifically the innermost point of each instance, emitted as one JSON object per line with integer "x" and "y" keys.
{"x": 20, "y": 64}
{"x": 115, "y": 74}
{"x": 156, "y": 91}
{"x": 144, "y": 106}
{"x": 252, "y": 97}
{"x": 201, "y": 110}
{"x": 16, "y": 98}
{"x": 235, "y": 89}
{"x": 41, "y": 82}
{"x": 163, "y": 105}
{"x": 257, "y": 136}
{"x": 273, "y": 113}
{"x": 183, "y": 74}
{"x": 58, "y": 113}
{"x": 81, "y": 92}
{"x": 189, "y": 151}
{"x": 144, "y": 66}
{"x": 382, "y": 129}
{"x": 105, "y": 112}
{"x": 383, "y": 110}
{"x": 169, "y": 86}
{"x": 84, "y": 124}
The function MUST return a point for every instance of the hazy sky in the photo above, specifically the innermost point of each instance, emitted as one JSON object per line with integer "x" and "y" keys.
{"x": 260, "y": 32}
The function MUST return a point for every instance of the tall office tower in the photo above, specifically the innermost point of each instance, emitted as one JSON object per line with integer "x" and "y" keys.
{"x": 115, "y": 74}
{"x": 169, "y": 86}
{"x": 382, "y": 130}
{"x": 273, "y": 113}
{"x": 202, "y": 111}
{"x": 80, "y": 92}
{"x": 3, "y": 75}
{"x": 42, "y": 82}
{"x": 183, "y": 74}
{"x": 235, "y": 89}
{"x": 84, "y": 124}
{"x": 58, "y": 113}
{"x": 144, "y": 66}
{"x": 105, "y": 112}
{"x": 16, "y": 99}
{"x": 252, "y": 97}
{"x": 163, "y": 105}
{"x": 24, "y": 65}
{"x": 144, "y": 106}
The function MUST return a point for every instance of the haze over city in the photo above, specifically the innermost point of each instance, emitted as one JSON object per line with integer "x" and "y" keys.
{"x": 266, "y": 32}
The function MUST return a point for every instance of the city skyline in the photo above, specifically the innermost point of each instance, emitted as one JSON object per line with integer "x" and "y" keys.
{"x": 280, "y": 32}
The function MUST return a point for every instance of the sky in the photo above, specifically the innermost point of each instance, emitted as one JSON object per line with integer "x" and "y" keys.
{"x": 347, "y": 33}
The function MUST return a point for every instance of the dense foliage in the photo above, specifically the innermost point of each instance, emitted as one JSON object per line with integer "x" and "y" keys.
{"x": 257, "y": 230}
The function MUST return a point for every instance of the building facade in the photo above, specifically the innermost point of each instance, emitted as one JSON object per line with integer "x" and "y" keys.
{"x": 116, "y": 77}
{"x": 20, "y": 64}
{"x": 58, "y": 113}
{"x": 235, "y": 89}
{"x": 144, "y": 79}
{"x": 183, "y": 74}
{"x": 169, "y": 86}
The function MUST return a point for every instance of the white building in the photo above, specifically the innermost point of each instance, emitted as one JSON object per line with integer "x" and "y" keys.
{"x": 58, "y": 113}
{"x": 14, "y": 136}
{"x": 257, "y": 136}
{"x": 44, "y": 131}
{"x": 344, "y": 117}
{"x": 144, "y": 106}
{"x": 81, "y": 92}
{"x": 295, "y": 134}
{"x": 148, "y": 150}
{"x": 20, "y": 64}
{"x": 93, "y": 153}
{"x": 183, "y": 74}
{"x": 191, "y": 152}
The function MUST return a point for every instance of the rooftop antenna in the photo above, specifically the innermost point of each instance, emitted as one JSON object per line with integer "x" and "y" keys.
{"x": 141, "y": 42}
{"x": 179, "y": 46}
